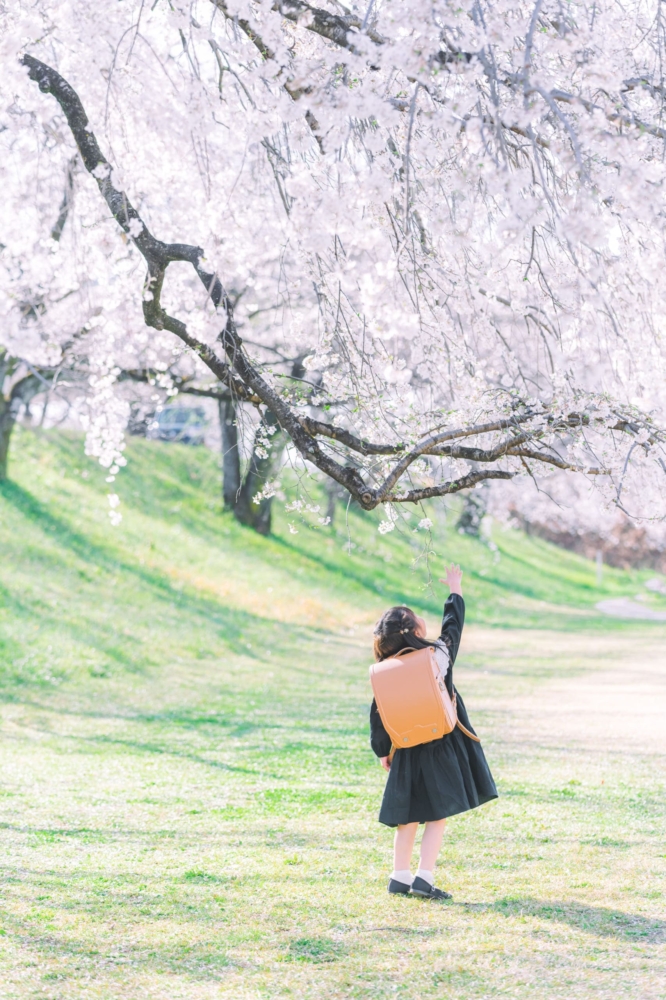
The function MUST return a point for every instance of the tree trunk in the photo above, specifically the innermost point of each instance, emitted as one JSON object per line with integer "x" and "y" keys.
{"x": 259, "y": 471}
{"x": 7, "y": 421}
{"x": 473, "y": 512}
{"x": 21, "y": 394}
{"x": 231, "y": 473}
{"x": 333, "y": 494}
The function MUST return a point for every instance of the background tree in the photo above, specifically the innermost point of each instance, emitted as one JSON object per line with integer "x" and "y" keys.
{"x": 20, "y": 380}
{"x": 475, "y": 508}
{"x": 454, "y": 212}
{"x": 246, "y": 492}
{"x": 16, "y": 392}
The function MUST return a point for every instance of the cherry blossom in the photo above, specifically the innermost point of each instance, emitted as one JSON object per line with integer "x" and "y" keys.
{"x": 453, "y": 213}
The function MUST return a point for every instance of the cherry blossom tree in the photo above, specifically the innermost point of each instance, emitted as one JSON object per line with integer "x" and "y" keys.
{"x": 31, "y": 362}
{"x": 244, "y": 483}
{"x": 21, "y": 388}
{"x": 454, "y": 212}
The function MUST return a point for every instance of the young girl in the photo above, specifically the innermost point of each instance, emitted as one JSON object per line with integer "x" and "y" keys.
{"x": 429, "y": 782}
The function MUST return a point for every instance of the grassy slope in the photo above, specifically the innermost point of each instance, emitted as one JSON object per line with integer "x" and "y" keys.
{"x": 174, "y": 547}
{"x": 188, "y": 800}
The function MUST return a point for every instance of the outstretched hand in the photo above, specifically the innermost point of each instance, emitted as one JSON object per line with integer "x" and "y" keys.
{"x": 453, "y": 579}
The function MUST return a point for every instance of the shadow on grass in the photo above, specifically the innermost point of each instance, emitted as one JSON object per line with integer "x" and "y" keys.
{"x": 599, "y": 920}
{"x": 197, "y": 961}
{"x": 426, "y": 932}
{"x": 142, "y": 746}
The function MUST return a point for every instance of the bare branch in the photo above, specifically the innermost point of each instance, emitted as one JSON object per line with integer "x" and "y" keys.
{"x": 360, "y": 445}
{"x": 444, "y": 489}
{"x": 429, "y": 446}
{"x": 549, "y": 459}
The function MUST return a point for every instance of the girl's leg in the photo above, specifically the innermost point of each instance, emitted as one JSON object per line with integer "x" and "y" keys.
{"x": 430, "y": 844}
{"x": 404, "y": 845}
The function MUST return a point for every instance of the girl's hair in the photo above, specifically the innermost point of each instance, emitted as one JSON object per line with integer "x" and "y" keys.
{"x": 396, "y": 629}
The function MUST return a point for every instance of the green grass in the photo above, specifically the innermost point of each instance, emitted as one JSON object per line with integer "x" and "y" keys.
{"x": 187, "y": 798}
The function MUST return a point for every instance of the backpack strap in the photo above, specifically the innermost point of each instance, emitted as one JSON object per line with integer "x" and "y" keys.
{"x": 459, "y": 723}
{"x": 467, "y": 732}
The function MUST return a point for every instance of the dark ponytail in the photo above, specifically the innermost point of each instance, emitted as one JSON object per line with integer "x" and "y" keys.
{"x": 396, "y": 629}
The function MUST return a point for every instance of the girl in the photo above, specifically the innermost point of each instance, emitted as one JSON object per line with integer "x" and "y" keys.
{"x": 429, "y": 782}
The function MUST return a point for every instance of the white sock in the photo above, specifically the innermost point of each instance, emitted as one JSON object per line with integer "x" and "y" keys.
{"x": 426, "y": 876}
{"x": 404, "y": 876}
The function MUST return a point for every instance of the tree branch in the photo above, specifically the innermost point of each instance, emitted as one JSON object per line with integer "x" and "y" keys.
{"x": 541, "y": 456}
{"x": 158, "y": 255}
{"x": 431, "y": 446}
{"x": 150, "y": 376}
{"x": 454, "y": 486}
{"x": 360, "y": 445}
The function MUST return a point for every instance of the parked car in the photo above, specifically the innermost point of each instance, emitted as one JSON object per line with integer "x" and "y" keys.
{"x": 185, "y": 424}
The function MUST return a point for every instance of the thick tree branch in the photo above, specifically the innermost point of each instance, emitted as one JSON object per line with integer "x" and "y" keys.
{"x": 351, "y": 441}
{"x": 505, "y": 447}
{"x": 346, "y": 476}
{"x": 158, "y": 255}
{"x": 432, "y": 445}
{"x": 444, "y": 489}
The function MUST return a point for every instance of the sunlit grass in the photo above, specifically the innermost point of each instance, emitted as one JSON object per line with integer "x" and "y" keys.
{"x": 187, "y": 798}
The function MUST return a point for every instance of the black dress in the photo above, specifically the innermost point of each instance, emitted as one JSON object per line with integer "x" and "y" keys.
{"x": 442, "y": 778}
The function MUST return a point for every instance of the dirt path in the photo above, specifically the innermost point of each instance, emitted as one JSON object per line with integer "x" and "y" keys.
{"x": 625, "y": 607}
{"x": 613, "y": 689}
{"x": 624, "y": 703}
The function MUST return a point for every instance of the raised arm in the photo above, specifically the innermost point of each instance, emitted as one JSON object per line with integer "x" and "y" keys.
{"x": 454, "y": 611}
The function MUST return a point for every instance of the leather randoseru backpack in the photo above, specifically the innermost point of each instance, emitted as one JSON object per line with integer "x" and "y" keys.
{"x": 412, "y": 698}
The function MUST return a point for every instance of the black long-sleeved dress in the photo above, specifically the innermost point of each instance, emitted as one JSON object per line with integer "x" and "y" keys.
{"x": 441, "y": 778}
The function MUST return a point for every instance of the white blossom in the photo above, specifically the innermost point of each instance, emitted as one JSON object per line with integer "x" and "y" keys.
{"x": 451, "y": 214}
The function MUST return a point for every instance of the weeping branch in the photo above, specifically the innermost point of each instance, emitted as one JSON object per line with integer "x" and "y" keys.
{"x": 346, "y": 31}
{"x": 343, "y": 30}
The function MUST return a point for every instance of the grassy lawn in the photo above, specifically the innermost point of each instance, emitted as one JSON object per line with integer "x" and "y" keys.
{"x": 187, "y": 797}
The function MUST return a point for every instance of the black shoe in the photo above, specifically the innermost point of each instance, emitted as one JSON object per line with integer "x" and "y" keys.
{"x": 426, "y": 891}
{"x": 398, "y": 888}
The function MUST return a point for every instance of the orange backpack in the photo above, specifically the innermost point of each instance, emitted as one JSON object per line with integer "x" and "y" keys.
{"x": 412, "y": 699}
